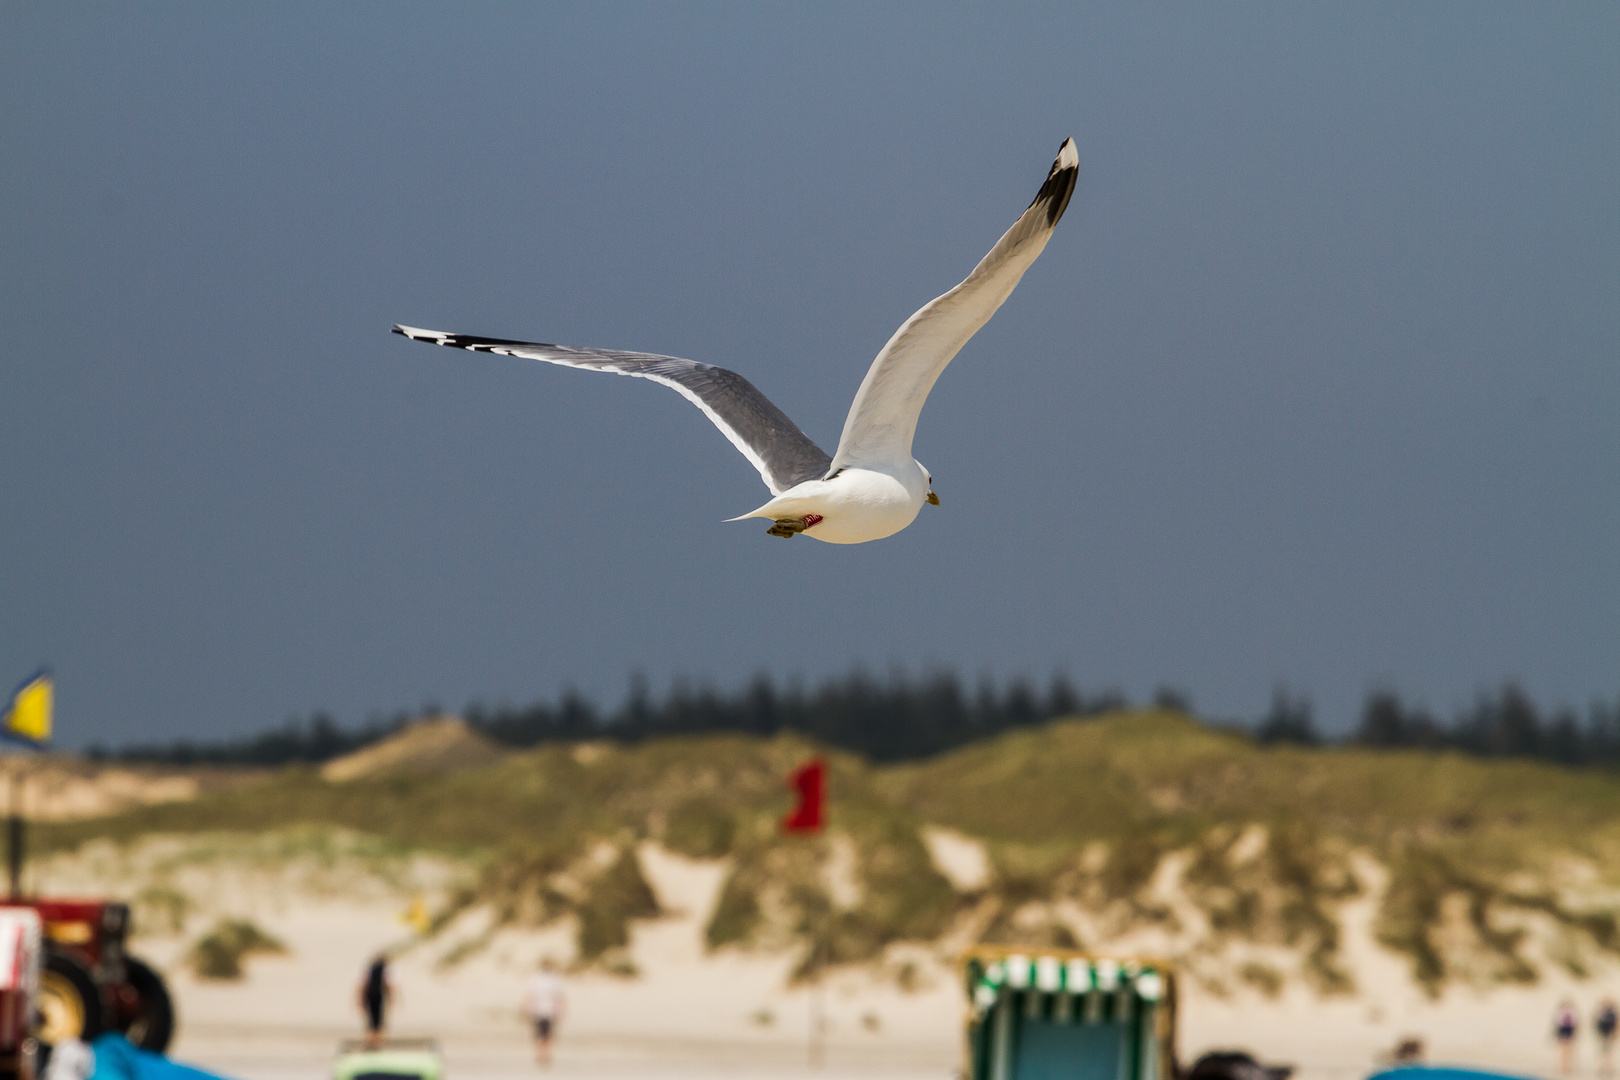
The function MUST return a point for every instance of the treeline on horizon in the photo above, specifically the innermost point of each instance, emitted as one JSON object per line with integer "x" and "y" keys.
{"x": 901, "y": 719}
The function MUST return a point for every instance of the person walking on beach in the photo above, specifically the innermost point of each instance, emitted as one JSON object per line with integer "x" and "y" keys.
{"x": 1565, "y": 1024}
{"x": 544, "y": 1003}
{"x": 376, "y": 992}
{"x": 1605, "y": 1022}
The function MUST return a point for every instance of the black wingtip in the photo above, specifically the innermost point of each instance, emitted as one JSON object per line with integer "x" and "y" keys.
{"x": 1060, "y": 182}
{"x": 431, "y": 337}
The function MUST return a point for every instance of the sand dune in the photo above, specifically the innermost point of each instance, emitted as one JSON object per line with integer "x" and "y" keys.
{"x": 687, "y": 1012}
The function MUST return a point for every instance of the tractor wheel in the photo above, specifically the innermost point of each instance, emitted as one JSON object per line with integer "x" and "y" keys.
{"x": 69, "y": 1003}
{"x": 153, "y": 1023}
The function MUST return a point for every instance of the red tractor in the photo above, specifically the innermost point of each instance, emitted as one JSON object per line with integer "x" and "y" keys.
{"x": 88, "y": 984}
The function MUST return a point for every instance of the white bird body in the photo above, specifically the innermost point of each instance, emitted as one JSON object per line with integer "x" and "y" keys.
{"x": 871, "y": 487}
{"x": 855, "y": 505}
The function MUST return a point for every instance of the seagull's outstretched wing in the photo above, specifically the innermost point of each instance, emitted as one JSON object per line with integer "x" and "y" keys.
{"x": 883, "y": 418}
{"x": 782, "y": 453}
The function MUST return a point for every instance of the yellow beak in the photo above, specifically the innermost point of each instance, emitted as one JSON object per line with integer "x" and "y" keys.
{"x": 933, "y": 498}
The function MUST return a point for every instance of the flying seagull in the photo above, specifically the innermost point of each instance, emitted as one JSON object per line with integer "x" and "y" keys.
{"x": 871, "y": 487}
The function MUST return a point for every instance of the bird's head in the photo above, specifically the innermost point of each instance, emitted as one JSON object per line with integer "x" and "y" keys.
{"x": 932, "y": 499}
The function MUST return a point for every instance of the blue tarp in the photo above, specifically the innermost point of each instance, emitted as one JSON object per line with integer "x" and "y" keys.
{"x": 118, "y": 1059}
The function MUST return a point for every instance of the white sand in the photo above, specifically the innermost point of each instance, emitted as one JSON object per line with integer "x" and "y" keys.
{"x": 692, "y": 1014}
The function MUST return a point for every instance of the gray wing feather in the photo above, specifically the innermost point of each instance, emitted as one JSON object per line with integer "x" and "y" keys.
{"x": 782, "y": 453}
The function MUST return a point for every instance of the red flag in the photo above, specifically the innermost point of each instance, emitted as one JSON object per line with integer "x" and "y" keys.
{"x": 810, "y": 781}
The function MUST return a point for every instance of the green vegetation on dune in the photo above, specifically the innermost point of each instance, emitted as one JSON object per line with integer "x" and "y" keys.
{"x": 1111, "y": 777}
{"x": 1485, "y": 837}
{"x": 1263, "y": 840}
{"x": 218, "y": 955}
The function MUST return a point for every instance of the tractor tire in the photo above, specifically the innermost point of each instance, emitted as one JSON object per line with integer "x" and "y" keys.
{"x": 153, "y": 1024}
{"x": 69, "y": 1001}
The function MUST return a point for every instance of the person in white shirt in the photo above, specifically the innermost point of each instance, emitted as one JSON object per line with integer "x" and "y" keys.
{"x": 544, "y": 1003}
{"x": 71, "y": 1059}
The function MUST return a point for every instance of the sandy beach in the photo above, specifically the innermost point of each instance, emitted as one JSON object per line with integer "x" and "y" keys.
{"x": 689, "y": 1013}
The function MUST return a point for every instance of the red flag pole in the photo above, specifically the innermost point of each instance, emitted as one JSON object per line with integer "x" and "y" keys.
{"x": 810, "y": 817}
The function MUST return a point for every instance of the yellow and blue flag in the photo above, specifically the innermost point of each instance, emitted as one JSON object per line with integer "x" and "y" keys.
{"x": 28, "y": 716}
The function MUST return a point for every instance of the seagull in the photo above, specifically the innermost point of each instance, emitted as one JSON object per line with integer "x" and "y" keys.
{"x": 871, "y": 487}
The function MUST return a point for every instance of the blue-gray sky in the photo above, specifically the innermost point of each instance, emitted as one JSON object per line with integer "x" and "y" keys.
{"x": 1318, "y": 381}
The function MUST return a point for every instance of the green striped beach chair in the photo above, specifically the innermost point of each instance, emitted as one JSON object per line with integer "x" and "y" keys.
{"x": 1050, "y": 1014}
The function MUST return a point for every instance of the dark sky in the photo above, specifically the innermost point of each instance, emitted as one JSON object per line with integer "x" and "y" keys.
{"x": 1318, "y": 381}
